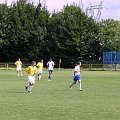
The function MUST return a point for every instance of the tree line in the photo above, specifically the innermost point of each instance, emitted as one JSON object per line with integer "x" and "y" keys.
{"x": 32, "y": 32}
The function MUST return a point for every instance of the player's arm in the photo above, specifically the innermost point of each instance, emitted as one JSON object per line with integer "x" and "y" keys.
{"x": 53, "y": 64}
{"x": 16, "y": 63}
{"x": 28, "y": 69}
{"x": 73, "y": 73}
{"x": 37, "y": 66}
{"x": 21, "y": 63}
{"x": 47, "y": 65}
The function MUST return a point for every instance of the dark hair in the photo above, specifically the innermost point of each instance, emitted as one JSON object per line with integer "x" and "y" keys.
{"x": 33, "y": 62}
{"x": 78, "y": 63}
{"x": 41, "y": 59}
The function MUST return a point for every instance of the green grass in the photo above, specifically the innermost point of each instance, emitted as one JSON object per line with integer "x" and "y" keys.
{"x": 53, "y": 100}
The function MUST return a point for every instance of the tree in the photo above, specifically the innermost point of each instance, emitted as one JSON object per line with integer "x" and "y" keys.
{"x": 110, "y": 35}
{"x": 72, "y": 35}
{"x": 26, "y": 34}
{"x": 4, "y": 26}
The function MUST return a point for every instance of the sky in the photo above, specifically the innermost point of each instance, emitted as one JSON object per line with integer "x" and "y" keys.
{"x": 110, "y": 8}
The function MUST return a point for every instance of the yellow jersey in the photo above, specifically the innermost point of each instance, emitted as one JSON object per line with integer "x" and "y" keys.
{"x": 18, "y": 63}
{"x": 39, "y": 65}
{"x": 31, "y": 70}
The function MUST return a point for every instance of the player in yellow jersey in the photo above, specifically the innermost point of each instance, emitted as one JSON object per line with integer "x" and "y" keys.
{"x": 19, "y": 67}
{"x": 31, "y": 70}
{"x": 40, "y": 68}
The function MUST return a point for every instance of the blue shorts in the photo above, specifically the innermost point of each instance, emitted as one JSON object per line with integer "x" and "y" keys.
{"x": 50, "y": 71}
{"x": 77, "y": 77}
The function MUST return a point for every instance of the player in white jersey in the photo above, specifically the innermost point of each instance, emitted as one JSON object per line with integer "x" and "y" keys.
{"x": 50, "y": 67}
{"x": 77, "y": 76}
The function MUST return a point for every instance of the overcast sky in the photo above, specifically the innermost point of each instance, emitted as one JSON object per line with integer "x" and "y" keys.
{"x": 111, "y": 8}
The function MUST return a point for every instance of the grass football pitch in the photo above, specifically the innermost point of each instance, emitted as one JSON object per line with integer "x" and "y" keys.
{"x": 53, "y": 100}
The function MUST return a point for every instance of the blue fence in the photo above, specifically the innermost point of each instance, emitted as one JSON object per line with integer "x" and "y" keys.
{"x": 111, "y": 57}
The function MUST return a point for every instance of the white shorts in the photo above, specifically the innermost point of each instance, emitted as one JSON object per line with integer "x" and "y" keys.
{"x": 18, "y": 68}
{"x": 31, "y": 79}
{"x": 40, "y": 71}
{"x": 50, "y": 68}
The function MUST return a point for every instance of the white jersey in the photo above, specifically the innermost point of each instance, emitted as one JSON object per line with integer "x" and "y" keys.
{"x": 50, "y": 65}
{"x": 77, "y": 70}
